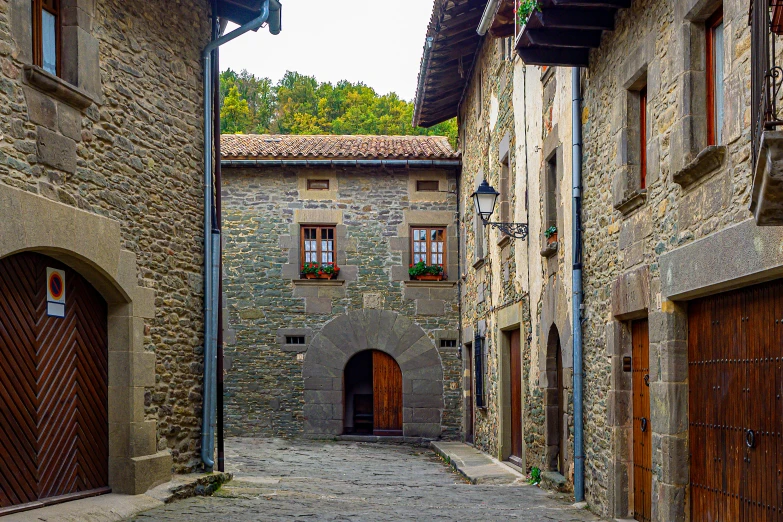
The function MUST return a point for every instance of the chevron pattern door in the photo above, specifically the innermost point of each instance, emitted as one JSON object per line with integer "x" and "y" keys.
{"x": 53, "y": 387}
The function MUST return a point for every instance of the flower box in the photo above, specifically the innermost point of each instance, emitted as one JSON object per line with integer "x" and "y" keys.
{"x": 428, "y": 277}
{"x": 551, "y": 239}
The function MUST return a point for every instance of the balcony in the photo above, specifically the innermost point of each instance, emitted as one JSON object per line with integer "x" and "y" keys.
{"x": 766, "y": 17}
{"x": 564, "y": 31}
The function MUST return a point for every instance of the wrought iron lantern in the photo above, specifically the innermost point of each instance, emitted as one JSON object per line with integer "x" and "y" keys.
{"x": 485, "y": 198}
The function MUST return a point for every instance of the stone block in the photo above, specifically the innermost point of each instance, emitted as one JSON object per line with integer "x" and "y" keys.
{"x": 120, "y": 369}
{"x": 674, "y": 452}
{"x": 318, "y": 411}
{"x": 619, "y": 411}
{"x": 618, "y": 492}
{"x": 70, "y": 122}
{"x": 421, "y": 415}
{"x": 349, "y": 272}
{"x": 411, "y": 400}
{"x": 324, "y": 428}
{"x": 56, "y": 151}
{"x": 415, "y": 292}
{"x": 143, "y": 369}
{"x": 430, "y": 307}
{"x": 673, "y": 361}
{"x": 323, "y": 397}
{"x": 290, "y": 271}
{"x": 426, "y": 373}
{"x": 669, "y": 408}
{"x": 618, "y": 339}
{"x": 399, "y": 244}
{"x": 669, "y": 325}
{"x": 399, "y": 273}
{"x": 150, "y": 471}
{"x": 670, "y": 505}
{"x": 41, "y": 109}
{"x": 631, "y": 294}
{"x": 143, "y": 440}
{"x": 444, "y": 293}
{"x": 119, "y": 440}
{"x": 144, "y": 302}
{"x": 318, "y": 383}
{"x": 620, "y": 379}
{"x": 318, "y": 305}
{"x": 305, "y": 291}
{"x": 422, "y": 387}
{"x": 428, "y": 430}
{"x": 331, "y": 291}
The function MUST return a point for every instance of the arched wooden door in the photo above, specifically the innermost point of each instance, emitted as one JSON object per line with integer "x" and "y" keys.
{"x": 387, "y": 394}
{"x": 53, "y": 386}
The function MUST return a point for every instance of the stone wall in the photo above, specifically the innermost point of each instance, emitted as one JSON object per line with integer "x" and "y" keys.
{"x": 125, "y": 144}
{"x": 266, "y": 300}
{"x": 631, "y": 231}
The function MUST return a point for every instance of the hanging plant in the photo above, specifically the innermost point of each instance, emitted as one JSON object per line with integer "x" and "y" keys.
{"x": 551, "y": 231}
{"x": 525, "y": 9}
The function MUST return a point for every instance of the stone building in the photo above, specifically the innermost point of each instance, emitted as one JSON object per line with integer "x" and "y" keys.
{"x": 514, "y": 123}
{"x": 370, "y": 351}
{"x": 100, "y": 203}
{"x": 681, "y": 289}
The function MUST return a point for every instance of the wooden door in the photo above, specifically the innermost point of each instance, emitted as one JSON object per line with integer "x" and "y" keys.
{"x": 642, "y": 432}
{"x": 735, "y": 346}
{"x": 387, "y": 395}
{"x": 54, "y": 380}
{"x": 515, "y": 367}
{"x": 469, "y": 388}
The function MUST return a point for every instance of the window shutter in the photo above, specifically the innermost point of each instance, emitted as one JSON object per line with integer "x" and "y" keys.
{"x": 478, "y": 351}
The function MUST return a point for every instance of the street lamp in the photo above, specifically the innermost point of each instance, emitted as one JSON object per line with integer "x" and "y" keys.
{"x": 485, "y": 198}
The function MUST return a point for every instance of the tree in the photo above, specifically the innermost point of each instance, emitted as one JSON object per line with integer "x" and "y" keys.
{"x": 235, "y": 115}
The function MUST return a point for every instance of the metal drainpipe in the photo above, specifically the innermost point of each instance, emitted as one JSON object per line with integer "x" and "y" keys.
{"x": 212, "y": 248}
{"x": 576, "y": 235}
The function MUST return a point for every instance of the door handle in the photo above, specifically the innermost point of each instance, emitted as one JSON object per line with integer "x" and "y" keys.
{"x": 750, "y": 439}
{"x": 644, "y": 424}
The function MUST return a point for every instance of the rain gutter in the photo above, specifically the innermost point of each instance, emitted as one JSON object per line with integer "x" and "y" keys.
{"x": 412, "y": 164}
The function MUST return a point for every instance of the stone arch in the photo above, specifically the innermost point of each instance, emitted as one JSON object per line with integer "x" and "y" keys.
{"x": 386, "y": 331}
{"x": 92, "y": 245}
{"x": 554, "y": 404}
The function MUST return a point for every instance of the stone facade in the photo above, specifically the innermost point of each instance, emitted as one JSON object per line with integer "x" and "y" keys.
{"x": 280, "y": 389}
{"x": 102, "y": 169}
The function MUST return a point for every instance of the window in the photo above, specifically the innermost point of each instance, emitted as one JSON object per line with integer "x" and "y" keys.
{"x": 551, "y": 192}
{"x": 448, "y": 343}
{"x": 715, "y": 78}
{"x": 46, "y": 35}
{"x": 478, "y": 232}
{"x": 478, "y": 364}
{"x": 294, "y": 339}
{"x": 317, "y": 245}
{"x": 480, "y": 93}
{"x": 505, "y": 191}
{"x": 317, "y": 184}
{"x": 429, "y": 245}
{"x": 427, "y": 186}
{"x": 643, "y": 137}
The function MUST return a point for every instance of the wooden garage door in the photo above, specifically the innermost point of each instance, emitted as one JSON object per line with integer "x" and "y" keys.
{"x": 53, "y": 387}
{"x": 736, "y": 382}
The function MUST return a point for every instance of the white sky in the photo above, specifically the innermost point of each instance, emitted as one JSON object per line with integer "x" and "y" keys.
{"x": 376, "y": 42}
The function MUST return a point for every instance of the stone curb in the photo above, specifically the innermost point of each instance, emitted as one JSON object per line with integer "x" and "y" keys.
{"x": 115, "y": 507}
{"x": 475, "y": 466}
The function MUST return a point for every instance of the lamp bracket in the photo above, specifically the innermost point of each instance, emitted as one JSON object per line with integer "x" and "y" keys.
{"x": 515, "y": 230}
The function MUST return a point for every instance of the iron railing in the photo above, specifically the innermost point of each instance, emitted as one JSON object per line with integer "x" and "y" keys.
{"x": 766, "y": 21}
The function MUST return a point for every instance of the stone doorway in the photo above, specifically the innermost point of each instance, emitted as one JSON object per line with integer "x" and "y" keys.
{"x": 373, "y": 395}
{"x": 554, "y": 402}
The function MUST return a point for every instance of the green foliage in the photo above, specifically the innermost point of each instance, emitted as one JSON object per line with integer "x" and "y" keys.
{"x": 310, "y": 268}
{"x": 535, "y": 476}
{"x": 551, "y": 231}
{"x": 298, "y": 104}
{"x": 525, "y": 9}
{"x": 323, "y": 268}
{"x": 421, "y": 268}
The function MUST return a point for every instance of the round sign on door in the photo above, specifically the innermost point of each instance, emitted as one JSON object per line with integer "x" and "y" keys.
{"x": 55, "y": 292}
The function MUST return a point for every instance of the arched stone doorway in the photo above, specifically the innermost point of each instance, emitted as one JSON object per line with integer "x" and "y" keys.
{"x": 554, "y": 402}
{"x": 384, "y": 331}
{"x": 373, "y": 394}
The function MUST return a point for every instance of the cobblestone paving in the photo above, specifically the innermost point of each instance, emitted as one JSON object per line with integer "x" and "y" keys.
{"x": 347, "y": 481}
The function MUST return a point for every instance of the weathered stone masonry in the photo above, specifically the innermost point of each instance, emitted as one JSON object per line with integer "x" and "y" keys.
{"x": 373, "y": 210}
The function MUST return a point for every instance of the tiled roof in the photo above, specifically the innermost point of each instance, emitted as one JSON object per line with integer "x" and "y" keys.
{"x": 277, "y": 147}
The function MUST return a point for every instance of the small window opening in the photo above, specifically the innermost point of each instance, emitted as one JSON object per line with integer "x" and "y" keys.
{"x": 317, "y": 184}
{"x": 427, "y": 185}
{"x": 294, "y": 339}
{"x": 46, "y": 35}
{"x": 551, "y": 192}
{"x": 715, "y": 77}
{"x": 448, "y": 343}
{"x": 643, "y": 136}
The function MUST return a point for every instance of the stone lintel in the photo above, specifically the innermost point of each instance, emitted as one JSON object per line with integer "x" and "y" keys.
{"x": 631, "y": 294}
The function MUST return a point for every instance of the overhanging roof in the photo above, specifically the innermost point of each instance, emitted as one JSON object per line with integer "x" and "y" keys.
{"x": 564, "y": 31}
{"x": 449, "y": 51}
{"x": 239, "y": 11}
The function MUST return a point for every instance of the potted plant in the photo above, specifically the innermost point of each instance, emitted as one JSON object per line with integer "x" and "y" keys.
{"x": 328, "y": 271}
{"x": 525, "y": 9}
{"x": 423, "y": 272}
{"x": 310, "y": 270}
{"x": 551, "y": 235}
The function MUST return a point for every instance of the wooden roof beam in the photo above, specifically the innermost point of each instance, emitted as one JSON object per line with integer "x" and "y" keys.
{"x": 560, "y": 38}
{"x": 573, "y": 18}
{"x": 563, "y": 56}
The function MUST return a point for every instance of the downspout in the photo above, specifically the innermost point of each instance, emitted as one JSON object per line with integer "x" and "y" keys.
{"x": 212, "y": 247}
{"x": 487, "y": 17}
{"x": 576, "y": 241}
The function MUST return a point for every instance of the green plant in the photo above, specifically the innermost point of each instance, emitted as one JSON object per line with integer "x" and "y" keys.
{"x": 551, "y": 231}
{"x": 535, "y": 476}
{"x": 310, "y": 268}
{"x": 525, "y": 9}
{"x": 422, "y": 268}
{"x": 329, "y": 268}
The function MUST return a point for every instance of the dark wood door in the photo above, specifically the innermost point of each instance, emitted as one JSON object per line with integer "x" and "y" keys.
{"x": 642, "y": 432}
{"x": 516, "y": 398}
{"x": 469, "y": 388}
{"x": 735, "y": 346}
{"x": 53, "y": 386}
{"x": 387, "y": 394}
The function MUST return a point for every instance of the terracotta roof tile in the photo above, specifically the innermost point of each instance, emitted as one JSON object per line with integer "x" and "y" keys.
{"x": 265, "y": 146}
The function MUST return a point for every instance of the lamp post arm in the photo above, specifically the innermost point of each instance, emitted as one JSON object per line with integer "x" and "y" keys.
{"x": 515, "y": 230}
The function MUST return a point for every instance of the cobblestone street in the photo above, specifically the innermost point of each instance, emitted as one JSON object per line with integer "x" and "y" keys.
{"x": 346, "y": 481}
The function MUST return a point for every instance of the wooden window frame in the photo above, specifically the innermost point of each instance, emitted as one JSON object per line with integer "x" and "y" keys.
{"x": 428, "y": 242}
{"x": 712, "y": 23}
{"x": 53, "y": 7}
{"x": 420, "y": 183}
{"x": 643, "y": 137}
{"x": 319, "y": 239}
{"x": 311, "y": 182}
